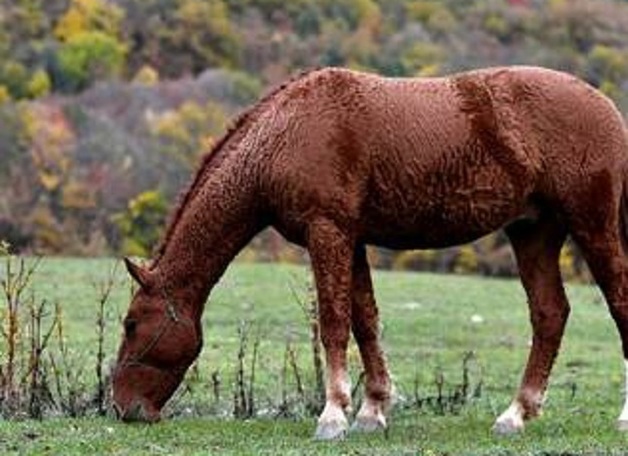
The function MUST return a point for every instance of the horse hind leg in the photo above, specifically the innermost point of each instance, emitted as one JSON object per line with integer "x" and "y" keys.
{"x": 600, "y": 241}
{"x": 365, "y": 326}
{"x": 537, "y": 248}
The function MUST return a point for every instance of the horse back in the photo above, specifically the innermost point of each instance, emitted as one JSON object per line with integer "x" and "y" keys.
{"x": 436, "y": 161}
{"x": 455, "y": 158}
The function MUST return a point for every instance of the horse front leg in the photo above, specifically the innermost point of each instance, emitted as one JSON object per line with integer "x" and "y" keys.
{"x": 331, "y": 253}
{"x": 365, "y": 327}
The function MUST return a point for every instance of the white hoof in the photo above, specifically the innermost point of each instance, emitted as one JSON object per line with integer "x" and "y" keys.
{"x": 367, "y": 424}
{"x": 508, "y": 427}
{"x": 332, "y": 424}
{"x": 331, "y": 430}
{"x": 510, "y": 422}
{"x": 369, "y": 419}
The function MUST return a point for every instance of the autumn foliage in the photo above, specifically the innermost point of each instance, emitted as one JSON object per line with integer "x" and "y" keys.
{"x": 108, "y": 103}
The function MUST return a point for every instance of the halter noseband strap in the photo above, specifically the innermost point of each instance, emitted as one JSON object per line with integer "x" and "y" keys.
{"x": 170, "y": 317}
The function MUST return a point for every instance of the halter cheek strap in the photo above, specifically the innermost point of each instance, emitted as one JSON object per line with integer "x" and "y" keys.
{"x": 170, "y": 317}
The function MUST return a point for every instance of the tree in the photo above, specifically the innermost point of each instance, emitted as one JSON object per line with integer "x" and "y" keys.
{"x": 91, "y": 47}
{"x": 39, "y": 84}
{"x": 203, "y": 34}
{"x": 51, "y": 142}
{"x": 24, "y": 31}
{"x": 146, "y": 24}
{"x": 88, "y": 16}
{"x": 187, "y": 132}
{"x": 141, "y": 223}
{"x": 87, "y": 57}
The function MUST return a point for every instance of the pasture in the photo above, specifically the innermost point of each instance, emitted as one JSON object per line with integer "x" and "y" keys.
{"x": 430, "y": 325}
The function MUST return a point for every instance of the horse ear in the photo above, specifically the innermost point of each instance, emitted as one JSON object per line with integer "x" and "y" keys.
{"x": 139, "y": 274}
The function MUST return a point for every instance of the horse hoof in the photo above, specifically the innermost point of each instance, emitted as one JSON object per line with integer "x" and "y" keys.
{"x": 510, "y": 422}
{"x": 508, "y": 426}
{"x": 331, "y": 430}
{"x": 368, "y": 424}
{"x": 622, "y": 425}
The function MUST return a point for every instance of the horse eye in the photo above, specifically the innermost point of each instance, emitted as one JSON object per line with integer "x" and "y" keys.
{"x": 129, "y": 326}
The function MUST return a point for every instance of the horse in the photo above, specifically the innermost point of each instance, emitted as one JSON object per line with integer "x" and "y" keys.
{"x": 335, "y": 160}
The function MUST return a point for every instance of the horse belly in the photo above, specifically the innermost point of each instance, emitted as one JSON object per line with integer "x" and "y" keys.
{"x": 434, "y": 210}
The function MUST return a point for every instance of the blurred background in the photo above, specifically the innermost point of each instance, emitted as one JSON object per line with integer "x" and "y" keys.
{"x": 107, "y": 105}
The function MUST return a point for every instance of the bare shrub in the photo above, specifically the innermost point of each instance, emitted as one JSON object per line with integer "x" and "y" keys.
{"x": 71, "y": 391}
{"x": 23, "y": 342}
{"x": 39, "y": 374}
{"x": 448, "y": 398}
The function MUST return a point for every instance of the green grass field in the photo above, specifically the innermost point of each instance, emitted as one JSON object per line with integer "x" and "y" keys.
{"x": 429, "y": 323}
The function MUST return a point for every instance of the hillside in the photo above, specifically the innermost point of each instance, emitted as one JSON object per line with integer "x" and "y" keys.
{"x": 106, "y": 106}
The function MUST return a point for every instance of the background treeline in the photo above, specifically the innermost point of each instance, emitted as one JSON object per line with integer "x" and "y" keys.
{"x": 106, "y": 105}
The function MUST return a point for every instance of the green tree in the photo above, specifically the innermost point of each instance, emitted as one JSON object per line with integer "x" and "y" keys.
{"x": 607, "y": 64}
{"x": 203, "y": 35}
{"x": 87, "y": 57}
{"x": 140, "y": 224}
{"x": 24, "y": 32}
{"x": 39, "y": 84}
{"x": 14, "y": 76}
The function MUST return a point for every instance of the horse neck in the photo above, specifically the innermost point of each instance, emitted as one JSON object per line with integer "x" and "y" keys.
{"x": 214, "y": 225}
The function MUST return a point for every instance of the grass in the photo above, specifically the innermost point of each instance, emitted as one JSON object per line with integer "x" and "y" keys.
{"x": 429, "y": 323}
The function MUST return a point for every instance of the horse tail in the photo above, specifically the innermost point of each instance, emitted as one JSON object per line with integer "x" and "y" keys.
{"x": 623, "y": 210}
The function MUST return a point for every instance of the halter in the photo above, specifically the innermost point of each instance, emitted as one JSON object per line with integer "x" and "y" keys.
{"x": 170, "y": 317}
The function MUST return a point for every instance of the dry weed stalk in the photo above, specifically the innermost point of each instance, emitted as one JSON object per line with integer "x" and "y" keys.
{"x": 38, "y": 387}
{"x": 104, "y": 289}
{"x": 452, "y": 400}
{"x": 216, "y": 386}
{"x": 17, "y": 278}
{"x": 69, "y": 378}
{"x": 26, "y": 328}
{"x": 309, "y": 306}
{"x": 23, "y": 345}
{"x": 290, "y": 365}
{"x": 243, "y": 396}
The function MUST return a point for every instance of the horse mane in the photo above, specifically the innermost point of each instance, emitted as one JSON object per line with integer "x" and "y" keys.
{"x": 242, "y": 120}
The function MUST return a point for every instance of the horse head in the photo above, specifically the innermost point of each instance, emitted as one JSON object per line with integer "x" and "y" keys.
{"x": 159, "y": 343}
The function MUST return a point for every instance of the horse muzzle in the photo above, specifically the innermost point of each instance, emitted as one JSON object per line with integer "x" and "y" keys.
{"x": 137, "y": 412}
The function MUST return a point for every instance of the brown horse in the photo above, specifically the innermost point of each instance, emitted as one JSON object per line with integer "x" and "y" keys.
{"x": 336, "y": 159}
